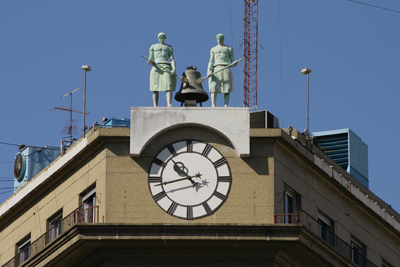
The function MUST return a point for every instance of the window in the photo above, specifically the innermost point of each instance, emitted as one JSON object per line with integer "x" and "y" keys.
{"x": 357, "y": 253}
{"x": 386, "y": 264}
{"x": 291, "y": 205}
{"x": 88, "y": 213}
{"x": 23, "y": 250}
{"x": 326, "y": 228}
{"x": 54, "y": 225}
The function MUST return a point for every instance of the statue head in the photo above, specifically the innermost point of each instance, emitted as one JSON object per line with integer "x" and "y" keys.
{"x": 220, "y": 38}
{"x": 161, "y": 37}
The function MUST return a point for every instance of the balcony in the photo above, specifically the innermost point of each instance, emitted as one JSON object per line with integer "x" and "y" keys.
{"x": 346, "y": 250}
{"x": 89, "y": 215}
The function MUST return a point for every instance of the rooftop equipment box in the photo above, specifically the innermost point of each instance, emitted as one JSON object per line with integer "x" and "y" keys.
{"x": 347, "y": 150}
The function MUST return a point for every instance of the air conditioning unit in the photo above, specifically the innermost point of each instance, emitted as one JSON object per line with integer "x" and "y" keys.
{"x": 347, "y": 150}
{"x": 263, "y": 119}
{"x": 30, "y": 161}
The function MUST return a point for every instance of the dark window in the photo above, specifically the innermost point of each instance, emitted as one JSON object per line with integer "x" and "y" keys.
{"x": 386, "y": 264}
{"x": 291, "y": 205}
{"x": 88, "y": 212}
{"x": 357, "y": 253}
{"x": 326, "y": 229}
{"x": 55, "y": 226}
{"x": 24, "y": 250}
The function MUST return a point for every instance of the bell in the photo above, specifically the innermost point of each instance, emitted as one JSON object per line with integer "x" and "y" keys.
{"x": 191, "y": 92}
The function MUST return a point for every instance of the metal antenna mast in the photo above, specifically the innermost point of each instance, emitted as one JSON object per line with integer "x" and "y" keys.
{"x": 71, "y": 128}
{"x": 70, "y": 112}
{"x": 250, "y": 54}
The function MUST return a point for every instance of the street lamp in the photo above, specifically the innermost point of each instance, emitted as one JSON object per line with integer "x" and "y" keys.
{"x": 85, "y": 69}
{"x": 307, "y": 72}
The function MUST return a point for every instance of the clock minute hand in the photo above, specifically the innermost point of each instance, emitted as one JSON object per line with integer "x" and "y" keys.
{"x": 177, "y": 180}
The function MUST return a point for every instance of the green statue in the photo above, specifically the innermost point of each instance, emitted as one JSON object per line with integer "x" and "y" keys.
{"x": 221, "y": 82}
{"x": 162, "y": 75}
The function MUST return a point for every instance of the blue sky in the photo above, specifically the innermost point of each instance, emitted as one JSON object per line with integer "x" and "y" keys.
{"x": 352, "y": 49}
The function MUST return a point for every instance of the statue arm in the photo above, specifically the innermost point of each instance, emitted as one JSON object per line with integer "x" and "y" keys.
{"x": 151, "y": 55}
{"x": 211, "y": 62}
{"x": 173, "y": 64}
{"x": 232, "y": 57}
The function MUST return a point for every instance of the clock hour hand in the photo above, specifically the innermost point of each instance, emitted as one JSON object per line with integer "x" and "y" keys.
{"x": 179, "y": 167}
{"x": 198, "y": 175}
{"x": 190, "y": 178}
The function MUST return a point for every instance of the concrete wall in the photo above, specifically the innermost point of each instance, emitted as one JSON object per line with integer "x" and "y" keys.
{"x": 256, "y": 193}
{"x": 31, "y": 217}
{"x": 129, "y": 199}
{"x": 322, "y": 194}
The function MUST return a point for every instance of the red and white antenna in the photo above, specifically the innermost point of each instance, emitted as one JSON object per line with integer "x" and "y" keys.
{"x": 250, "y": 54}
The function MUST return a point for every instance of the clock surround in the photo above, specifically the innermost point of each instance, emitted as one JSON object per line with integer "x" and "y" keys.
{"x": 189, "y": 179}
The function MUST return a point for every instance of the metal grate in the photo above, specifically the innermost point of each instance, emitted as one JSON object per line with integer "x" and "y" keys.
{"x": 336, "y": 147}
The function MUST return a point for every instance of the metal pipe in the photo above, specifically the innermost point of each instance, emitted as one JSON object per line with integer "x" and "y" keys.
{"x": 307, "y": 71}
{"x": 308, "y": 102}
{"x": 85, "y": 69}
{"x": 84, "y": 105}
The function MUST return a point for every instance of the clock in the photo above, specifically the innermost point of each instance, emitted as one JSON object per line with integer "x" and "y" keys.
{"x": 189, "y": 179}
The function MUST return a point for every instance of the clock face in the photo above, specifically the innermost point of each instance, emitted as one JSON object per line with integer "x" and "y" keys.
{"x": 189, "y": 179}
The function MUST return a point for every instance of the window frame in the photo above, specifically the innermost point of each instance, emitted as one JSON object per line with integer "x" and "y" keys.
{"x": 295, "y": 198}
{"x": 386, "y": 264}
{"x": 54, "y": 225}
{"x": 88, "y": 202}
{"x": 359, "y": 248}
{"x": 326, "y": 228}
{"x": 23, "y": 249}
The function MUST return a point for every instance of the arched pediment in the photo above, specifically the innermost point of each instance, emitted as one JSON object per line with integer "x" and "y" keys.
{"x": 231, "y": 123}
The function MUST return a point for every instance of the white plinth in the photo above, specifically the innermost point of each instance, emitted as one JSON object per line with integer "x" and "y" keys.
{"x": 149, "y": 122}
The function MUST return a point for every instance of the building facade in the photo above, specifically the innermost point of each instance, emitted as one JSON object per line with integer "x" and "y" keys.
{"x": 196, "y": 186}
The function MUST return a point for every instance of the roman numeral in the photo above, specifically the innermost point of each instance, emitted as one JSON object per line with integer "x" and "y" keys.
{"x": 206, "y": 150}
{"x": 155, "y": 179}
{"x": 219, "y": 162}
{"x": 189, "y": 213}
{"x": 172, "y": 208}
{"x": 207, "y": 208}
{"x": 159, "y": 196}
{"x": 225, "y": 179}
{"x": 172, "y": 150}
{"x": 159, "y": 162}
{"x": 219, "y": 195}
{"x": 189, "y": 146}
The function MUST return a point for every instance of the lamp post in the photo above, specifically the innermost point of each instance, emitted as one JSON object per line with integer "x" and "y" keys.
{"x": 307, "y": 72}
{"x": 85, "y": 69}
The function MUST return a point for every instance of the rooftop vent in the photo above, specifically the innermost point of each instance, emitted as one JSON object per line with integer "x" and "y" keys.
{"x": 347, "y": 150}
{"x": 263, "y": 119}
{"x": 113, "y": 122}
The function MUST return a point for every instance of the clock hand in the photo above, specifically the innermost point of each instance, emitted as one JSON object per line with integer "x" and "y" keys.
{"x": 179, "y": 167}
{"x": 177, "y": 180}
{"x": 190, "y": 178}
{"x": 193, "y": 182}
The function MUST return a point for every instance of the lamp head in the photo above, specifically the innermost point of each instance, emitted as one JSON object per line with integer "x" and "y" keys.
{"x": 86, "y": 67}
{"x": 306, "y": 71}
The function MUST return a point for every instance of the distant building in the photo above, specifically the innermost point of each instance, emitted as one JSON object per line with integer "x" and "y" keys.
{"x": 196, "y": 187}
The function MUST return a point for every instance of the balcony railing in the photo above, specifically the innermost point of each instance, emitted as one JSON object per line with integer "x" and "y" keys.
{"x": 89, "y": 215}
{"x": 317, "y": 228}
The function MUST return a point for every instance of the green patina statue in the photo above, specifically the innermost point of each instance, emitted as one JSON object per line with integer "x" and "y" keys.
{"x": 162, "y": 75}
{"x": 221, "y": 82}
